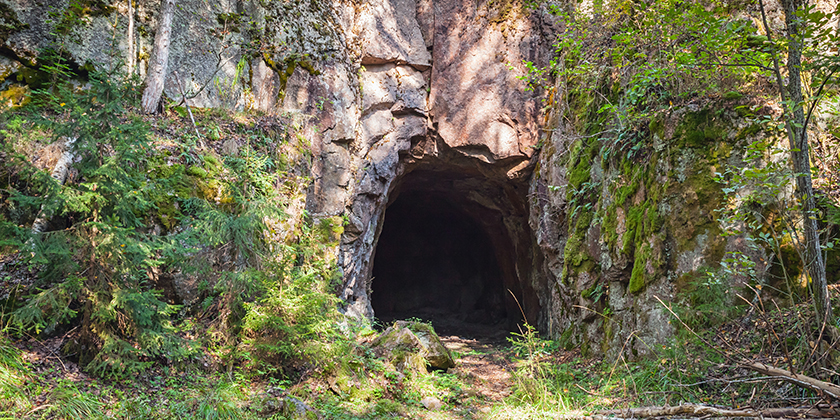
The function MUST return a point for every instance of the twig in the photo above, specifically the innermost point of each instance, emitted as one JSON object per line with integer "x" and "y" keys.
{"x": 816, "y": 99}
{"x": 181, "y": 89}
{"x": 729, "y": 381}
{"x": 520, "y": 306}
{"x": 714, "y": 348}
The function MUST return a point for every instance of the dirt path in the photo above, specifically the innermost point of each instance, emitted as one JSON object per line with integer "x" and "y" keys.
{"x": 483, "y": 365}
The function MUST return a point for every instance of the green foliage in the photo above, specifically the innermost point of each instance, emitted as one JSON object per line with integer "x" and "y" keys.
{"x": 295, "y": 317}
{"x": 12, "y": 376}
{"x": 100, "y": 258}
{"x": 219, "y": 403}
{"x": 707, "y": 302}
{"x": 761, "y": 207}
{"x": 96, "y": 267}
{"x": 643, "y": 57}
{"x": 77, "y": 14}
{"x": 66, "y": 401}
{"x": 533, "y": 385}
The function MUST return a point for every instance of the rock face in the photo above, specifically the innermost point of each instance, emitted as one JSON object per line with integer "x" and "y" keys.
{"x": 431, "y": 99}
{"x": 479, "y": 104}
{"x": 427, "y": 99}
{"x": 633, "y": 231}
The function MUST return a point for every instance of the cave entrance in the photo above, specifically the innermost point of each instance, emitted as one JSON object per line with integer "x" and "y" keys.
{"x": 445, "y": 254}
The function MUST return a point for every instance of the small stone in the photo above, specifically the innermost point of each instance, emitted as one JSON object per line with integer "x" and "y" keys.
{"x": 230, "y": 147}
{"x": 431, "y": 403}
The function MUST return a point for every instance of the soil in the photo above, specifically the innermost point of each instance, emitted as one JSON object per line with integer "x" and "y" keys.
{"x": 484, "y": 361}
{"x": 483, "y": 364}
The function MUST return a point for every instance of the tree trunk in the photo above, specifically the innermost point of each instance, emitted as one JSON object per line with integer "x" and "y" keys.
{"x": 132, "y": 54}
{"x": 59, "y": 174}
{"x": 800, "y": 155}
{"x": 159, "y": 60}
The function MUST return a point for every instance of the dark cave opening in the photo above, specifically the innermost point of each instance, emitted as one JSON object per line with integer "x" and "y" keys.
{"x": 443, "y": 257}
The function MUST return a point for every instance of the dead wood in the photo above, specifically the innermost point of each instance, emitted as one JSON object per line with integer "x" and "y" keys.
{"x": 826, "y": 389}
{"x": 705, "y": 411}
{"x": 680, "y": 410}
{"x": 159, "y": 59}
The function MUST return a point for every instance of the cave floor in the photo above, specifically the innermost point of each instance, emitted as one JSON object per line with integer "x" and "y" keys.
{"x": 456, "y": 325}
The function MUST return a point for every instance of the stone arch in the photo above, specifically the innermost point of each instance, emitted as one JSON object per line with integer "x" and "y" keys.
{"x": 455, "y": 247}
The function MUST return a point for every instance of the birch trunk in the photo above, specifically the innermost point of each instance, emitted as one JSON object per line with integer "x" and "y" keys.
{"x": 159, "y": 60}
{"x": 132, "y": 52}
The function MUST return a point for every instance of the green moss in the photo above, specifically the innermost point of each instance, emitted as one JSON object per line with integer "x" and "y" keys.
{"x": 749, "y": 131}
{"x": 638, "y": 195}
{"x": 566, "y": 339}
{"x": 575, "y": 253}
{"x": 580, "y": 162}
{"x": 77, "y": 13}
{"x": 579, "y": 165}
{"x": 286, "y": 68}
{"x": 657, "y": 127}
{"x": 700, "y": 129}
{"x": 609, "y": 225}
{"x": 181, "y": 111}
{"x": 32, "y": 77}
{"x": 329, "y": 231}
{"x": 685, "y": 282}
{"x": 732, "y": 95}
{"x": 231, "y": 21}
{"x": 197, "y": 172}
{"x": 586, "y": 293}
{"x": 792, "y": 267}
{"x": 212, "y": 164}
{"x": 15, "y": 96}
{"x": 609, "y": 333}
{"x": 585, "y": 349}
{"x": 167, "y": 213}
{"x": 640, "y": 223}
{"x": 639, "y": 274}
{"x": 698, "y": 197}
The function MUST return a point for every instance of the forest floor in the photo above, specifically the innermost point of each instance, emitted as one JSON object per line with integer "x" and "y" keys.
{"x": 484, "y": 377}
{"x": 489, "y": 381}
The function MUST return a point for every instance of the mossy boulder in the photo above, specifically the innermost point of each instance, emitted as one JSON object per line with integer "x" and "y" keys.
{"x": 412, "y": 346}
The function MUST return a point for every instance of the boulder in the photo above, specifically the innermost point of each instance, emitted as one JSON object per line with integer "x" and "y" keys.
{"x": 412, "y": 345}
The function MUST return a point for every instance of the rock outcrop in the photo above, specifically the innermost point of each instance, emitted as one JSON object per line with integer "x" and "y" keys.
{"x": 429, "y": 97}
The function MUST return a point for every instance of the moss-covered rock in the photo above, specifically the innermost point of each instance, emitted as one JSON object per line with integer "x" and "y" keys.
{"x": 14, "y": 96}
{"x": 412, "y": 346}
